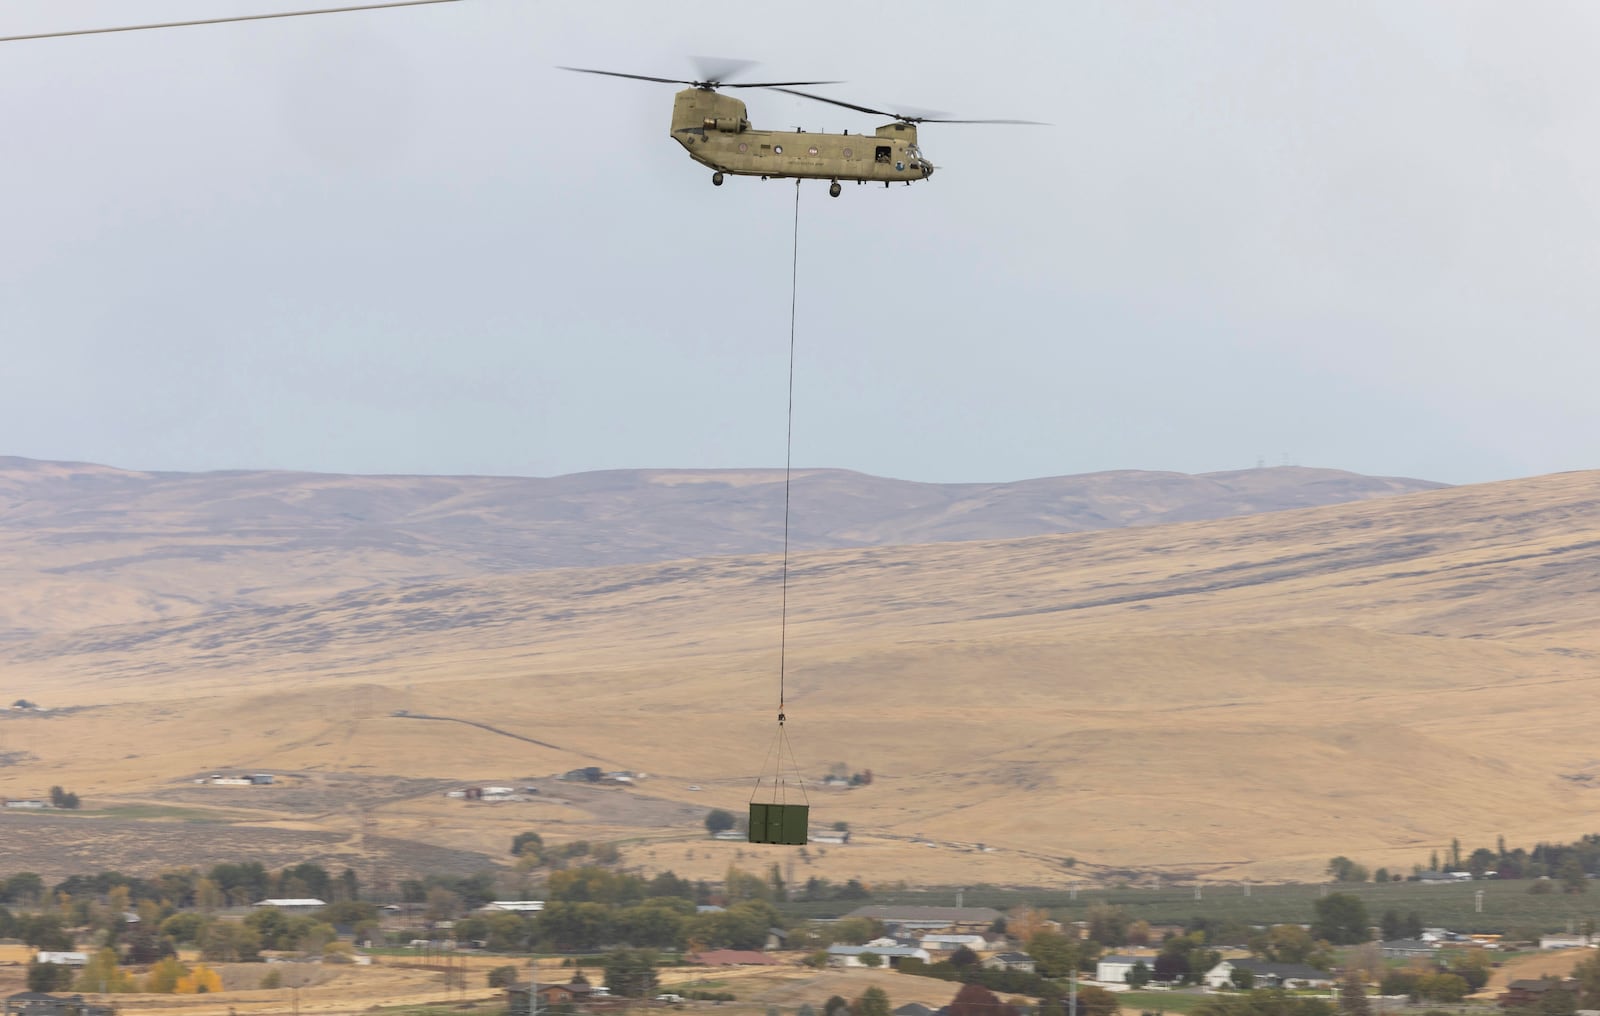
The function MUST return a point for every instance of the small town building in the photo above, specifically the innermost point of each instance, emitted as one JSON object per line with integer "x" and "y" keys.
{"x": 1269, "y": 975}
{"x": 512, "y": 907}
{"x": 550, "y": 995}
{"x": 1407, "y": 949}
{"x": 63, "y": 959}
{"x": 1114, "y": 969}
{"x": 1010, "y": 961}
{"x": 292, "y": 906}
{"x": 950, "y": 943}
{"x": 889, "y": 955}
{"x": 37, "y": 1003}
{"x": 1528, "y": 993}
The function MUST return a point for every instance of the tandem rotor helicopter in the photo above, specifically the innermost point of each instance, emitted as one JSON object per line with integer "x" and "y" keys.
{"x": 715, "y": 131}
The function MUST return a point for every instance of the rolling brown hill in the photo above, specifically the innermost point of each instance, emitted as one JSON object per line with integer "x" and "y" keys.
{"x": 108, "y": 544}
{"x": 1231, "y": 698}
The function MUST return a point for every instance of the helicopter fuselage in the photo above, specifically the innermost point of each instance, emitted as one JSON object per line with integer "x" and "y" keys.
{"x": 715, "y": 131}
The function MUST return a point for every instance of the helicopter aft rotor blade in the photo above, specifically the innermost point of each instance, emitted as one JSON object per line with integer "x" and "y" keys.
{"x": 904, "y": 117}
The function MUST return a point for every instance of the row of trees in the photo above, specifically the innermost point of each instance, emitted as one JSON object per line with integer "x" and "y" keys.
{"x": 104, "y": 974}
{"x": 1569, "y": 863}
{"x": 223, "y": 885}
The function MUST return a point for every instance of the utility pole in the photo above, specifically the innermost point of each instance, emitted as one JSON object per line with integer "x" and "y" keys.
{"x": 1477, "y": 901}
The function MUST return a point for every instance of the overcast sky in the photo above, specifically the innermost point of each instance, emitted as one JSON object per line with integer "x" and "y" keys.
{"x": 1351, "y": 235}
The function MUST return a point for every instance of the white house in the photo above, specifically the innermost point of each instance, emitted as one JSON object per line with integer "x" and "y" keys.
{"x": 950, "y": 943}
{"x": 64, "y": 959}
{"x": 1114, "y": 969}
{"x": 1269, "y": 975}
{"x": 891, "y": 955}
{"x": 512, "y": 907}
{"x": 294, "y": 906}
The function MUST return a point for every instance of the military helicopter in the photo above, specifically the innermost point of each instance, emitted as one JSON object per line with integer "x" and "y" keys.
{"x": 714, "y": 129}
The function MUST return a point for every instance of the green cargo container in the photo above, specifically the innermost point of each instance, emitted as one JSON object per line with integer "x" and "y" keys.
{"x": 779, "y": 823}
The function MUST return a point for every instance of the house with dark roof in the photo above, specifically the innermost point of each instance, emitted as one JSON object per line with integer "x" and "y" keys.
{"x": 37, "y": 1003}
{"x": 1528, "y": 993}
{"x": 550, "y": 995}
{"x": 1269, "y": 975}
{"x": 1010, "y": 961}
{"x": 913, "y": 1009}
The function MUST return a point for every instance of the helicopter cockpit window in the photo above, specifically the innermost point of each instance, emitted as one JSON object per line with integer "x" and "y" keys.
{"x": 883, "y": 153}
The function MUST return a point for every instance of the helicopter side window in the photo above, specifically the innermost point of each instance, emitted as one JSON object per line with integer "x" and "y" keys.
{"x": 883, "y": 154}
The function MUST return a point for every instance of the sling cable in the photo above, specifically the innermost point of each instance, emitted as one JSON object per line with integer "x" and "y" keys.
{"x": 776, "y": 820}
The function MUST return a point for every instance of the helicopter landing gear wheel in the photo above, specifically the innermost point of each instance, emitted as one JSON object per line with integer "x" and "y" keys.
{"x": 833, "y": 189}
{"x": 716, "y": 179}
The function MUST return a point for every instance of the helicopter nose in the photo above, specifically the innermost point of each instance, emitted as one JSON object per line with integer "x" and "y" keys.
{"x": 927, "y": 170}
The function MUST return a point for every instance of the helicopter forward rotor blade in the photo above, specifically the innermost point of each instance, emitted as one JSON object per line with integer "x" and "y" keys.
{"x": 720, "y": 68}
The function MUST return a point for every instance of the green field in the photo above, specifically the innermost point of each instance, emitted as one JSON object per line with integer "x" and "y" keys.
{"x": 1508, "y": 907}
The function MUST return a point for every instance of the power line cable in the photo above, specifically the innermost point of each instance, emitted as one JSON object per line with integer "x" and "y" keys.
{"x": 222, "y": 21}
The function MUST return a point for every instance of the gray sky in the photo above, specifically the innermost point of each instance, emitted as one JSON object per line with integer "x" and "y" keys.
{"x": 1350, "y": 235}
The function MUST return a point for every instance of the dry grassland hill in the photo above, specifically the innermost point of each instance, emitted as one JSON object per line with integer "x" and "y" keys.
{"x": 1232, "y": 698}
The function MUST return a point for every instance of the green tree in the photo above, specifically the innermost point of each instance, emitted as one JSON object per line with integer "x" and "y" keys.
{"x": 870, "y": 960}
{"x": 873, "y": 1002}
{"x": 1353, "y": 996}
{"x": 502, "y": 976}
{"x": 23, "y": 887}
{"x": 1108, "y": 925}
{"x": 1139, "y": 975}
{"x": 1345, "y": 870}
{"x": 631, "y": 973}
{"x": 1473, "y": 966}
{"x": 1242, "y": 978}
{"x": 1054, "y": 955}
{"x": 226, "y": 942}
{"x": 1587, "y": 975}
{"x": 718, "y": 820}
{"x": 1289, "y": 943}
{"x": 49, "y": 977}
{"x": 1481, "y": 861}
{"x": 162, "y": 978}
{"x": 185, "y": 927}
{"x": 528, "y": 845}
{"x": 835, "y": 1006}
{"x": 1448, "y": 988}
{"x": 1341, "y": 918}
{"x": 103, "y": 974}
{"x": 1572, "y": 876}
{"x": 1094, "y": 1001}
